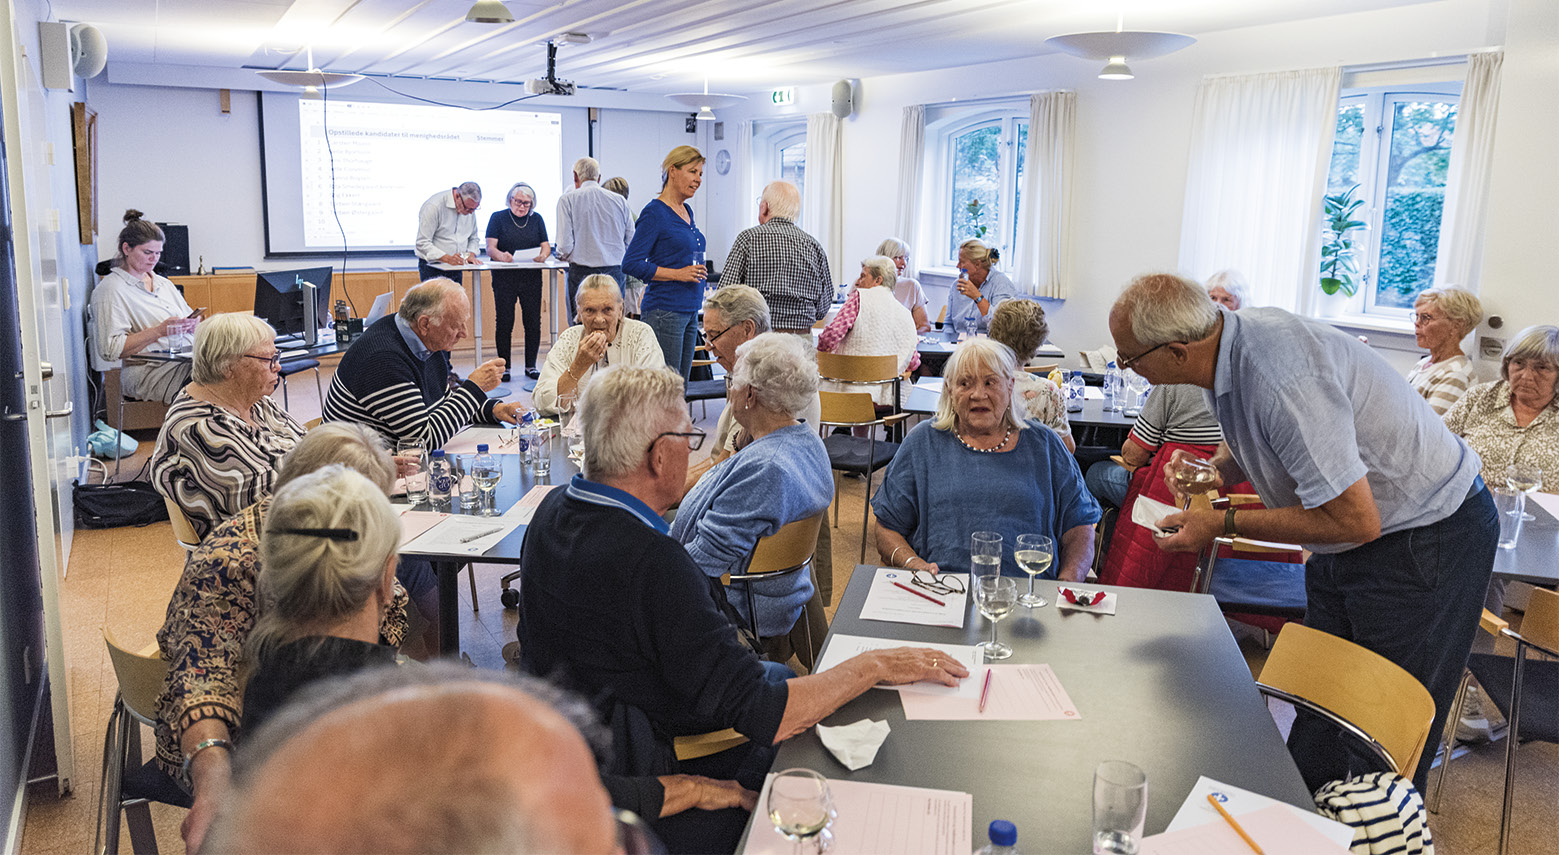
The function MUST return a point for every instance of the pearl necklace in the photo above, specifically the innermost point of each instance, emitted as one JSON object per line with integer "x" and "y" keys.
{"x": 997, "y": 448}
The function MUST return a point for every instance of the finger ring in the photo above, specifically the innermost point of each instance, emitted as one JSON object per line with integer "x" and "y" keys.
{"x": 936, "y": 663}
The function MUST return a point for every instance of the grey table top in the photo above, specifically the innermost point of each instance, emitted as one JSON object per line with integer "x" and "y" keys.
{"x": 1535, "y": 557}
{"x": 923, "y": 400}
{"x": 1161, "y": 684}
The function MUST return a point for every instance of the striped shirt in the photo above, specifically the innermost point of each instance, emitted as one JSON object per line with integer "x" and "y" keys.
{"x": 382, "y": 384}
{"x": 212, "y": 464}
{"x": 1441, "y": 383}
{"x": 788, "y": 267}
{"x": 1176, "y": 413}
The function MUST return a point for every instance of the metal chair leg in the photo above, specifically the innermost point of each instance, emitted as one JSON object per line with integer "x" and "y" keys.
{"x": 320, "y": 388}
{"x": 471, "y": 575}
{"x": 1512, "y": 738}
{"x": 1448, "y": 742}
{"x": 285, "y": 404}
{"x": 866, "y": 514}
{"x": 119, "y": 451}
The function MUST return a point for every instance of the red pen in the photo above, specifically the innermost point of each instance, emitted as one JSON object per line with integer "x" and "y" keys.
{"x": 919, "y": 594}
{"x": 985, "y": 692}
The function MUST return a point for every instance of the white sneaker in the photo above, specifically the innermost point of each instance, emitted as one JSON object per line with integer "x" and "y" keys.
{"x": 1474, "y": 727}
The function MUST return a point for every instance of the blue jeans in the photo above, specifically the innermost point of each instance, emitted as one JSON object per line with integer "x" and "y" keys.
{"x": 1412, "y": 596}
{"x": 1108, "y": 481}
{"x": 577, "y": 273}
{"x": 677, "y": 333}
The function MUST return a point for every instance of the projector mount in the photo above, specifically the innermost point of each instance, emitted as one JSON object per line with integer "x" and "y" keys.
{"x": 550, "y": 85}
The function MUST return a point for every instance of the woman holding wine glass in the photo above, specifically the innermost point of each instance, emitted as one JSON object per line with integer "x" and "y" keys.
{"x": 981, "y": 465}
{"x": 667, "y": 253}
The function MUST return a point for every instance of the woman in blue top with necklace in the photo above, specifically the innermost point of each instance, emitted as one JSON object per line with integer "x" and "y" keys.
{"x": 667, "y": 253}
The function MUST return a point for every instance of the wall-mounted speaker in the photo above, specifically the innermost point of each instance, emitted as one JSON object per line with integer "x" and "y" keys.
{"x": 844, "y": 98}
{"x": 68, "y": 51}
{"x": 88, "y": 50}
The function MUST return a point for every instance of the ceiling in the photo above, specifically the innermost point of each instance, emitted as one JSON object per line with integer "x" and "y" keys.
{"x": 643, "y": 45}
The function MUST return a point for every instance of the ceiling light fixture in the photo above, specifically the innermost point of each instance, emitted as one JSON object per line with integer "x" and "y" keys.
{"x": 1115, "y": 47}
{"x": 311, "y": 79}
{"x": 489, "y": 12}
{"x": 705, "y": 102}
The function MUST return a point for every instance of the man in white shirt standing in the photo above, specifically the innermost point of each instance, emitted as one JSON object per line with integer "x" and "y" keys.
{"x": 593, "y": 230}
{"x": 446, "y": 230}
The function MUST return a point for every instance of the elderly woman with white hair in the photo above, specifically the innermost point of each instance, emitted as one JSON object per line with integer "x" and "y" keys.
{"x": 873, "y": 323}
{"x": 1442, "y": 317}
{"x": 223, "y": 436}
{"x": 1229, "y": 289}
{"x": 603, "y": 337}
{"x": 905, "y": 289}
{"x": 517, "y": 227}
{"x": 980, "y": 465}
{"x": 780, "y": 476}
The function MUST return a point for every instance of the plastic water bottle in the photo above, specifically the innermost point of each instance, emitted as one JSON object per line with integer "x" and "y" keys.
{"x": 441, "y": 479}
{"x": 1074, "y": 392}
{"x": 1112, "y": 388}
{"x": 1004, "y": 839}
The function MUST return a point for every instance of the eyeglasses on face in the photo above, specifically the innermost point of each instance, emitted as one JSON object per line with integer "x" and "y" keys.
{"x": 274, "y": 359}
{"x": 1425, "y": 318}
{"x": 695, "y": 438}
{"x": 712, "y": 338}
{"x": 1129, "y": 361}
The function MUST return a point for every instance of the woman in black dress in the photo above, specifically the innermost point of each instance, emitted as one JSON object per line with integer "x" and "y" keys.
{"x": 518, "y": 227}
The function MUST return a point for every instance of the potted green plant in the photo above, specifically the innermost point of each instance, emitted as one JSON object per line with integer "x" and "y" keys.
{"x": 1339, "y": 268}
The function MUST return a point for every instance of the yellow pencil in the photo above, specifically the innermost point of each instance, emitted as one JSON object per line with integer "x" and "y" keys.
{"x": 1212, "y": 799}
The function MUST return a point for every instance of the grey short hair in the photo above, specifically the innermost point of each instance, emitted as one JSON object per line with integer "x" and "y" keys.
{"x": 456, "y": 819}
{"x": 881, "y": 266}
{"x": 737, "y": 303}
{"x": 783, "y": 199}
{"x": 471, "y": 192}
{"x": 358, "y": 447}
{"x": 893, "y": 248}
{"x": 618, "y": 185}
{"x": 1233, "y": 281}
{"x": 1460, "y": 305}
{"x": 622, "y": 409}
{"x": 1533, "y": 344}
{"x": 587, "y": 169}
{"x": 1162, "y": 307}
{"x": 429, "y": 298}
{"x": 600, "y": 282}
{"x": 968, "y": 359}
{"x": 222, "y": 340}
{"x": 307, "y": 581}
{"x": 780, "y": 368}
{"x": 523, "y": 189}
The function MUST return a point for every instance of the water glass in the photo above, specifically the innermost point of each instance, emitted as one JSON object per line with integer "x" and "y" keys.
{"x": 1511, "y": 505}
{"x": 1034, "y": 554}
{"x": 181, "y": 334}
{"x": 801, "y": 807}
{"x": 465, "y": 482}
{"x": 698, "y": 258}
{"x": 985, "y": 554}
{"x": 1120, "y": 806}
{"x": 1135, "y": 395}
{"x": 538, "y": 456}
{"x": 1526, "y": 477}
{"x": 412, "y": 461}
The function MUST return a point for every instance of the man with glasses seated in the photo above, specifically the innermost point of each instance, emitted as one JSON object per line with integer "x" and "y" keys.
{"x": 614, "y": 608}
{"x": 602, "y": 337}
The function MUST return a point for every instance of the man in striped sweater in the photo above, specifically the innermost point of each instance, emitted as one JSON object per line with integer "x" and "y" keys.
{"x": 395, "y": 379}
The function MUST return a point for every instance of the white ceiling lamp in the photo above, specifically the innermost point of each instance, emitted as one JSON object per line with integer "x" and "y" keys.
{"x": 706, "y": 103}
{"x": 312, "y": 79}
{"x": 1115, "y": 47}
{"x": 489, "y": 12}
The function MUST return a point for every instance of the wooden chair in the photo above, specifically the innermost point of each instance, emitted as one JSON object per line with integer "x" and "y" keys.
{"x": 860, "y": 454}
{"x": 785, "y": 552}
{"x": 1042, "y": 370}
{"x": 1493, "y": 625}
{"x": 1363, "y": 693}
{"x": 183, "y": 529}
{"x": 704, "y": 391}
{"x": 867, "y": 373}
{"x": 1255, "y": 580}
{"x": 127, "y": 786}
{"x": 1527, "y": 692}
{"x": 941, "y": 317}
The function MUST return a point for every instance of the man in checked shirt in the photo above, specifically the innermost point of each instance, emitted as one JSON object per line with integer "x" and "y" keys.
{"x": 784, "y": 263}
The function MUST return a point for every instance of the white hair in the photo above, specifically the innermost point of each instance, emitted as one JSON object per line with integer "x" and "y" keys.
{"x": 737, "y": 303}
{"x": 222, "y": 340}
{"x": 881, "y": 266}
{"x": 429, "y": 298}
{"x": 622, "y": 410}
{"x": 783, "y": 199}
{"x": 780, "y": 368}
{"x": 968, "y": 359}
{"x": 1161, "y": 308}
{"x": 893, "y": 248}
{"x": 600, "y": 282}
{"x": 1233, "y": 281}
{"x": 587, "y": 169}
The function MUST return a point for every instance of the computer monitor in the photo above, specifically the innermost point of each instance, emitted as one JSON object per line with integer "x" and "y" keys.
{"x": 280, "y": 298}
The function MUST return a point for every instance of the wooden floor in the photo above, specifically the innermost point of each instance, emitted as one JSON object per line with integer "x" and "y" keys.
{"x": 122, "y": 578}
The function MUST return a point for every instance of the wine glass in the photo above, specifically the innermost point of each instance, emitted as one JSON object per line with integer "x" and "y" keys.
{"x": 1524, "y": 478}
{"x": 801, "y": 807}
{"x": 1034, "y": 554}
{"x": 1192, "y": 475}
{"x": 487, "y": 473}
{"x": 995, "y": 595}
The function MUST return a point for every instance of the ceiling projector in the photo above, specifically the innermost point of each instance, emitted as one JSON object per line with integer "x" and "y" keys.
{"x": 549, "y": 86}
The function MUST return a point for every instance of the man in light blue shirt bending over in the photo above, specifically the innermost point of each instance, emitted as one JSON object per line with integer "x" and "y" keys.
{"x": 1351, "y": 463}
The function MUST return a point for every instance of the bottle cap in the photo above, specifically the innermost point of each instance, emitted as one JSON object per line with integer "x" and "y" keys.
{"x": 1003, "y": 833}
{"x": 437, "y": 452}
{"x": 481, "y": 448}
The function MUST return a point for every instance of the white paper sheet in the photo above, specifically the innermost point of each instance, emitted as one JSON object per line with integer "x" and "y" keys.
{"x": 1548, "y": 501}
{"x": 842, "y": 647}
{"x": 881, "y": 818}
{"x": 1018, "y": 693}
{"x": 461, "y": 534}
{"x": 885, "y": 600}
{"x": 525, "y": 508}
{"x": 467, "y": 440}
{"x": 1196, "y": 810}
{"x": 414, "y": 523}
{"x": 1274, "y": 829}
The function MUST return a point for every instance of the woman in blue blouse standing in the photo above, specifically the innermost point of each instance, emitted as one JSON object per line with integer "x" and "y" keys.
{"x": 667, "y": 253}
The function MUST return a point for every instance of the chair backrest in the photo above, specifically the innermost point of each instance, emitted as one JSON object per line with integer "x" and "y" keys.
{"x": 1356, "y": 688}
{"x": 140, "y": 677}
{"x": 847, "y": 408}
{"x": 788, "y": 548}
{"x": 847, "y": 368}
{"x": 183, "y": 530}
{"x": 941, "y": 316}
{"x": 1043, "y": 370}
{"x": 1540, "y": 624}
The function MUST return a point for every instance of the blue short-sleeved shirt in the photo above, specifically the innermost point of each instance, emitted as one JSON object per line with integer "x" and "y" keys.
{"x": 1308, "y": 410}
{"x": 997, "y": 288}
{"x": 937, "y": 492}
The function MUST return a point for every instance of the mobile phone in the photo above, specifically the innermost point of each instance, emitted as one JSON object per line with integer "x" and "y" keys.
{"x": 195, "y": 313}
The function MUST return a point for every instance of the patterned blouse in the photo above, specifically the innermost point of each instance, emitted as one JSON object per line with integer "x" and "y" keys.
{"x": 211, "y": 463}
{"x": 1484, "y": 418}
{"x": 1441, "y": 383}
{"x": 210, "y": 616}
{"x": 1043, "y": 401}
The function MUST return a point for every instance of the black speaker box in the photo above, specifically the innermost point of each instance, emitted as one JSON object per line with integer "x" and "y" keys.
{"x": 175, "y": 250}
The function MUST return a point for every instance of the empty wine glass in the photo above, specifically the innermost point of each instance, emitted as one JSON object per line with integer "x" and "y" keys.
{"x": 1033, "y": 554}
{"x": 801, "y": 807}
{"x": 1526, "y": 478}
{"x": 995, "y": 595}
{"x": 486, "y": 472}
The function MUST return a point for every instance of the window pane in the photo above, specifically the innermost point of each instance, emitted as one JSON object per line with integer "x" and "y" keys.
{"x": 1017, "y": 189}
{"x": 976, "y": 187}
{"x": 1346, "y": 147}
{"x": 1416, "y": 169}
{"x": 793, "y": 168}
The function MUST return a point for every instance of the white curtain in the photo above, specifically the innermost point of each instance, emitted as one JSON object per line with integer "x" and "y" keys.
{"x": 744, "y": 161}
{"x": 1460, "y": 254}
{"x": 1260, "y": 147}
{"x": 1044, "y": 235}
{"x": 823, "y": 205}
{"x": 912, "y": 151}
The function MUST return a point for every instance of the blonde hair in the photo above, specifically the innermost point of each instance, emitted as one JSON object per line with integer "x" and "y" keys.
{"x": 222, "y": 340}
{"x": 679, "y": 158}
{"x": 979, "y": 252}
{"x": 967, "y": 359}
{"x": 357, "y": 446}
{"x": 1462, "y": 306}
{"x": 1020, "y": 325}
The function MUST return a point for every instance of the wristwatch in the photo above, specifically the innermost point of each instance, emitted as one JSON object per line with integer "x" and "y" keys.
{"x": 202, "y": 745}
{"x": 1228, "y": 523}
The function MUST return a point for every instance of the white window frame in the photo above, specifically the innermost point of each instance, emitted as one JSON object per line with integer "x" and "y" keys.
{"x": 768, "y": 139}
{"x": 1360, "y": 309}
{"x": 936, "y": 213}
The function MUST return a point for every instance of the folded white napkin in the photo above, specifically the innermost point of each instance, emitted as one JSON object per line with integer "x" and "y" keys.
{"x": 854, "y": 745}
{"x": 1147, "y": 513}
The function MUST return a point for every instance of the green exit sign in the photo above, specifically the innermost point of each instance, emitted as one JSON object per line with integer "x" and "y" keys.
{"x": 783, "y": 97}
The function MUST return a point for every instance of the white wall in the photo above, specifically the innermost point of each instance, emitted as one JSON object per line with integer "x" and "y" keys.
{"x": 1133, "y": 139}
{"x": 632, "y": 144}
